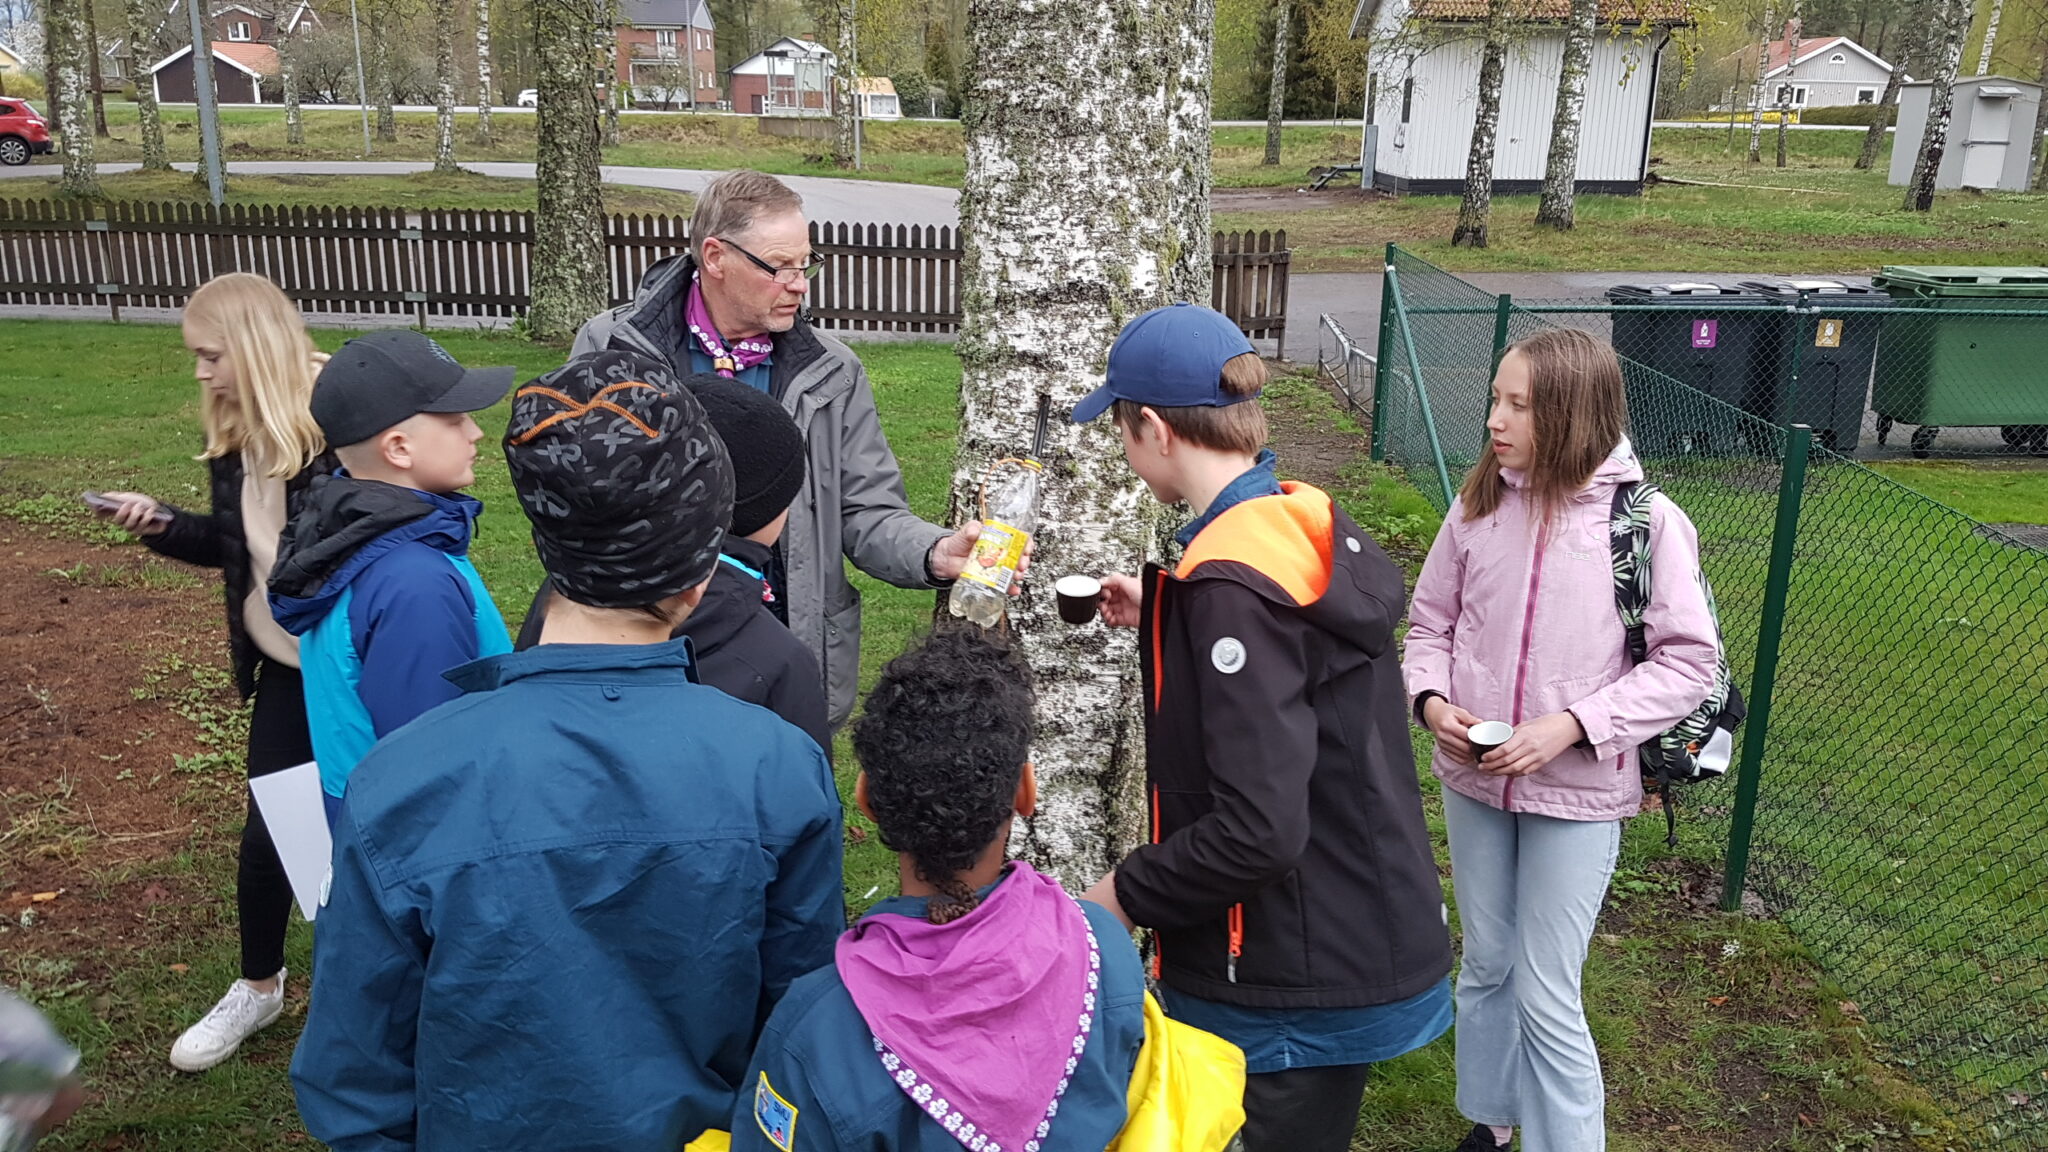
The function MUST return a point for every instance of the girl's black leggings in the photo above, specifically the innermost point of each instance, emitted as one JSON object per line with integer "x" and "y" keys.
{"x": 278, "y": 739}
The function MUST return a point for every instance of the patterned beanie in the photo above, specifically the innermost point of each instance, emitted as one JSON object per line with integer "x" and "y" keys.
{"x": 628, "y": 486}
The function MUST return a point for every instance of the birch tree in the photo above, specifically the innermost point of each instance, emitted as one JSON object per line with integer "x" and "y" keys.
{"x": 1478, "y": 201}
{"x": 484, "y": 97}
{"x": 1561, "y": 169}
{"x": 1756, "y": 94}
{"x": 65, "y": 53}
{"x": 142, "y": 19}
{"x": 1873, "y": 138}
{"x": 2038, "y": 163}
{"x": 288, "y": 70}
{"x": 1276, "y": 96}
{"x": 605, "y": 59}
{"x": 91, "y": 48}
{"x": 380, "y": 17}
{"x": 1990, "y": 37}
{"x": 569, "y": 279}
{"x": 845, "y": 84}
{"x": 1086, "y": 201}
{"x": 1785, "y": 85}
{"x": 444, "y": 87}
{"x": 1954, "y": 21}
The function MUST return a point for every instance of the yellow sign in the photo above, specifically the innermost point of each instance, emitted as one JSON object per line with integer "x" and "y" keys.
{"x": 1828, "y": 334}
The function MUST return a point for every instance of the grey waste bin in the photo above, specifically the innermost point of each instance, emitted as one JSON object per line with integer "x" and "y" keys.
{"x": 1835, "y": 350}
{"x": 1704, "y": 336}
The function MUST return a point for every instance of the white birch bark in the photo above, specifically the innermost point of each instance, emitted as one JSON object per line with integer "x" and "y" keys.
{"x": 1561, "y": 170}
{"x": 484, "y": 96}
{"x": 1990, "y": 37}
{"x": 142, "y": 21}
{"x": 1873, "y": 140}
{"x": 1083, "y": 205}
{"x": 92, "y": 69}
{"x": 66, "y": 51}
{"x": 1477, "y": 204}
{"x": 1756, "y": 96}
{"x": 569, "y": 277}
{"x": 288, "y": 72}
{"x": 844, "y": 84}
{"x": 380, "y": 68}
{"x": 1955, "y": 25}
{"x": 444, "y": 87}
{"x": 1276, "y": 95}
{"x": 1785, "y": 86}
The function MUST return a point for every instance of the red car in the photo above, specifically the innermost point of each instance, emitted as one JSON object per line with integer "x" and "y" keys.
{"x": 23, "y": 132}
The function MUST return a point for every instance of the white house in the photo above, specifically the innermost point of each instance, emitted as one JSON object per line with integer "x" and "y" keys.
{"x": 876, "y": 98}
{"x": 1831, "y": 71}
{"x": 1426, "y": 92}
{"x": 790, "y": 77}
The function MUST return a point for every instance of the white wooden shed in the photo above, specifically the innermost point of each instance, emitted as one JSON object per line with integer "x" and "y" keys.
{"x": 1426, "y": 56}
{"x": 1991, "y": 126}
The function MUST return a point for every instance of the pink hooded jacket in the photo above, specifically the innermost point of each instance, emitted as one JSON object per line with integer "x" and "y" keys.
{"x": 1512, "y": 633}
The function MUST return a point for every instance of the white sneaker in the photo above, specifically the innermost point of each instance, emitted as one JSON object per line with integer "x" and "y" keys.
{"x": 240, "y": 1014}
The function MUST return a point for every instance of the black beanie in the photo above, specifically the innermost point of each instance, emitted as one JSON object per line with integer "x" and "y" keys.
{"x": 766, "y": 450}
{"x": 627, "y": 485}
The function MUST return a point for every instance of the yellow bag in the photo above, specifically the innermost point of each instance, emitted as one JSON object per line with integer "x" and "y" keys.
{"x": 711, "y": 1141}
{"x": 1187, "y": 1094}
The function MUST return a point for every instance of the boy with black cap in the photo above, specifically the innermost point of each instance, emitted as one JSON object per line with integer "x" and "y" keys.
{"x": 373, "y": 573}
{"x": 562, "y": 907}
{"x": 742, "y": 645}
{"x": 1289, "y": 883}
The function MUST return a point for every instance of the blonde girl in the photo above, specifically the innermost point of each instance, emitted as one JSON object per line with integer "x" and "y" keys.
{"x": 1514, "y": 620}
{"x": 255, "y": 366}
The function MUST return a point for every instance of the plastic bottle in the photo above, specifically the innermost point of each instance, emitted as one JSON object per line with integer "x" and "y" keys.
{"x": 1009, "y": 515}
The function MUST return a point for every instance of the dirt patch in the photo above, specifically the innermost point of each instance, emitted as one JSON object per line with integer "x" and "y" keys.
{"x": 1286, "y": 199}
{"x": 1310, "y": 445}
{"x": 111, "y": 678}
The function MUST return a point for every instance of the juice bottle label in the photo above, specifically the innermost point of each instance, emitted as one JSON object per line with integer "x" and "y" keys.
{"x": 996, "y": 556}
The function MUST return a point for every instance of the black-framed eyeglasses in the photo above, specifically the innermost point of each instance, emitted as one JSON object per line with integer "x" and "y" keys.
{"x": 808, "y": 270}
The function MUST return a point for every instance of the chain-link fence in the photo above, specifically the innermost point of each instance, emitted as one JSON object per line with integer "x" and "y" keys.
{"x": 1896, "y": 653}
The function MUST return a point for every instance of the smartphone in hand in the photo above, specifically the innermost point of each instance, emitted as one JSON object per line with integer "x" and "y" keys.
{"x": 107, "y": 506}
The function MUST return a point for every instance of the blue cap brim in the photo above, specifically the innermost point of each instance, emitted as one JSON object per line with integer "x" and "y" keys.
{"x": 1094, "y": 404}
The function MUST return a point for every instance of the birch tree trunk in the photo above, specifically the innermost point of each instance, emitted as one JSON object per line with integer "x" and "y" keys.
{"x": 844, "y": 84}
{"x": 484, "y": 96}
{"x": 1561, "y": 171}
{"x": 1478, "y": 201}
{"x": 1990, "y": 37}
{"x": 53, "y": 54}
{"x": 142, "y": 19}
{"x": 1276, "y": 96}
{"x": 606, "y": 39}
{"x": 569, "y": 280}
{"x": 1756, "y": 96}
{"x": 380, "y": 69}
{"x": 1873, "y": 140}
{"x": 1785, "y": 87}
{"x": 2039, "y": 162}
{"x": 1955, "y": 25}
{"x": 65, "y": 56}
{"x": 92, "y": 70}
{"x": 1084, "y": 204}
{"x": 288, "y": 72}
{"x": 444, "y": 87}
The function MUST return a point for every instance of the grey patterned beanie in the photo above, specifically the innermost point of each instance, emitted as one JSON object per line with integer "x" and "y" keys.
{"x": 628, "y": 486}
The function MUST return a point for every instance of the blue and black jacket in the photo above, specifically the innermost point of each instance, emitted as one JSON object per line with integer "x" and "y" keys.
{"x": 376, "y": 583}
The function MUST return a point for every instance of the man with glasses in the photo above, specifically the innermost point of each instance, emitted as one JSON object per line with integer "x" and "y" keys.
{"x": 733, "y": 306}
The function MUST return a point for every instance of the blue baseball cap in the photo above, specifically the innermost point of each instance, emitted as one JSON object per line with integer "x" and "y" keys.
{"x": 1170, "y": 357}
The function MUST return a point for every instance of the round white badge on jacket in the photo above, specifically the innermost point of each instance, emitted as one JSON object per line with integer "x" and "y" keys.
{"x": 1227, "y": 655}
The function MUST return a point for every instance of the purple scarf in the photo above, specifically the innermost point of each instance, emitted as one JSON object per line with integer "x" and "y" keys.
{"x": 724, "y": 361}
{"x": 982, "y": 1021}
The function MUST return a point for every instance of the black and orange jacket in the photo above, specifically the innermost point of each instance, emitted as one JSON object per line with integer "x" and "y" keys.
{"x": 1290, "y": 866}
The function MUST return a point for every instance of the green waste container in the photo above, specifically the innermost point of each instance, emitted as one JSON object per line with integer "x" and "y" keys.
{"x": 1938, "y": 370}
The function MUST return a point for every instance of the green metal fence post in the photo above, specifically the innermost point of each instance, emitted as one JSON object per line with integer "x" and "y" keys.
{"x": 1436, "y": 448}
{"x": 1777, "y": 583}
{"x": 1502, "y": 309}
{"x": 1800, "y": 336}
{"x": 1379, "y": 363}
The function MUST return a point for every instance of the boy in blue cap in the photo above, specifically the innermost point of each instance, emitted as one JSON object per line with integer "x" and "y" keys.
{"x": 1289, "y": 884}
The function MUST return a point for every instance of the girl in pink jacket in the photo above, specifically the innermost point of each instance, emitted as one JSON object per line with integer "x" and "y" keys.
{"x": 1514, "y": 620}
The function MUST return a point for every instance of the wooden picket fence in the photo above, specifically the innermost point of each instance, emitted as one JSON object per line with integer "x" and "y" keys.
{"x": 477, "y": 264}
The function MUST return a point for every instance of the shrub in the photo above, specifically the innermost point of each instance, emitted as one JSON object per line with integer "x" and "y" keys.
{"x": 1863, "y": 114}
{"x": 22, "y": 86}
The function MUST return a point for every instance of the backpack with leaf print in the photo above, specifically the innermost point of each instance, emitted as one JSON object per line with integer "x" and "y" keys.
{"x": 1701, "y": 746}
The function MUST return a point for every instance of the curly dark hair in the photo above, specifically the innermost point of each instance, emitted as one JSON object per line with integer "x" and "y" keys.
{"x": 943, "y": 741}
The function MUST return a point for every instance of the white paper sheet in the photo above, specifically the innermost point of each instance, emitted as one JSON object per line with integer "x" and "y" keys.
{"x": 296, "y": 813}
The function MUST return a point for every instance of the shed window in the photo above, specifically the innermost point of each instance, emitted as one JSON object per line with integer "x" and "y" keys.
{"x": 1407, "y": 98}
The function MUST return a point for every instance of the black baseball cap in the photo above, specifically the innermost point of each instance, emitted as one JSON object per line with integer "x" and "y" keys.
{"x": 392, "y": 375}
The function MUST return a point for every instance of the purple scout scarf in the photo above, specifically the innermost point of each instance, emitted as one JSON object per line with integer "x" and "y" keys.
{"x": 981, "y": 1022}
{"x": 725, "y": 361}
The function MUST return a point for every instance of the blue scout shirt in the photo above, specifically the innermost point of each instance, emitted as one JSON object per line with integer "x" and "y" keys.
{"x": 816, "y": 1083}
{"x": 561, "y": 908}
{"x": 760, "y": 377}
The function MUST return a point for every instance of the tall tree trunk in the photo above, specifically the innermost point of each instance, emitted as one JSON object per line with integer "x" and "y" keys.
{"x": 1990, "y": 37}
{"x": 142, "y": 20}
{"x": 65, "y": 62}
{"x": 569, "y": 277}
{"x": 607, "y": 61}
{"x": 444, "y": 87}
{"x": 288, "y": 73}
{"x": 1276, "y": 93}
{"x": 1095, "y": 152}
{"x": 1955, "y": 25}
{"x": 2039, "y": 162}
{"x": 1756, "y": 96}
{"x": 53, "y": 52}
{"x": 1785, "y": 86}
{"x": 845, "y": 84}
{"x": 1478, "y": 201}
{"x": 380, "y": 70}
{"x": 1561, "y": 171}
{"x": 1873, "y": 139}
{"x": 94, "y": 71}
{"x": 484, "y": 96}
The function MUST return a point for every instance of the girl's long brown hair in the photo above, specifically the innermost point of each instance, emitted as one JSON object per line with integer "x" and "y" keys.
{"x": 1579, "y": 411}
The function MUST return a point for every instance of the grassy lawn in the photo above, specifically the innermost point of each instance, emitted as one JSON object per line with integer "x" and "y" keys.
{"x": 466, "y": 190}
{"x": 1995, "y": 492}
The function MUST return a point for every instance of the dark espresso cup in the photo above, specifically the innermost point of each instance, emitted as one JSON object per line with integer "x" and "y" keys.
{"x": 1488, "y": 735}
{"x": 1078, "y": 597}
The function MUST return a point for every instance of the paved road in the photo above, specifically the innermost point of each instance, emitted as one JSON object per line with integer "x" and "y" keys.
{"x": 848, "y": 201}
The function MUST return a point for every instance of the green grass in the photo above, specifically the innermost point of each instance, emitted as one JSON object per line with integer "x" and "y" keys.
{"x": 1697, "y": 1014}
{"x": 466, "y": 190}
{"x": 1995, "y": 493}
